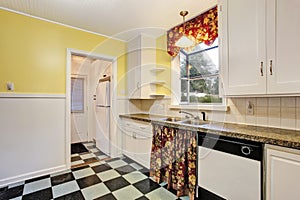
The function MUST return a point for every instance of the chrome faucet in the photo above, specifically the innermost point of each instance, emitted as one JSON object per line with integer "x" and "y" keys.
{"x": 203, "y": 116}
{"x": 181, "y": 111}
{"x": 194, "y": 117}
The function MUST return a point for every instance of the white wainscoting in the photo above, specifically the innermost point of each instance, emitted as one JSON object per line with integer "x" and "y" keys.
{"x": 32, "y": 136}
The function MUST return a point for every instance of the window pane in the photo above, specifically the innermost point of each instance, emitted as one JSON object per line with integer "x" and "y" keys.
{"x": 199, "y": 72}
{"x": 204, "y": 63}
{"x": 77, "y": 95}
{"x": 205, "y": 90}
{"x": 184, "y": 91}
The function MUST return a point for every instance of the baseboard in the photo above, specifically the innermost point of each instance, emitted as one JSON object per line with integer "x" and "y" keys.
{"x": 115, "y": 151}
{"x": 23, "y": 177}
{"x": 116, "y": 154}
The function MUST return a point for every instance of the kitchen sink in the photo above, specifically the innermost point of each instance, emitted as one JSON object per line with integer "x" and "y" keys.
{"x": 190, "y": 121}
{"x": 172, "y": 119}
{"x": 193, "y": 122}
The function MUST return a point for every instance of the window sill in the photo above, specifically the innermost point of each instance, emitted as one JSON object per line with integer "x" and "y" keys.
{"x": 199, "y": 107}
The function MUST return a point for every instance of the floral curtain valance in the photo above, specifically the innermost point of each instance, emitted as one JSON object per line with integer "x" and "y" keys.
{"x": 203, "y": 28}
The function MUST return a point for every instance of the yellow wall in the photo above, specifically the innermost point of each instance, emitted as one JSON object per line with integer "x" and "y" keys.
{"x": 33, "y": 53}
{"x": 163, "y": 59}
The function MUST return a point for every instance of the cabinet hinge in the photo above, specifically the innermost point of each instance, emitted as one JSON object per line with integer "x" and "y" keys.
{"x": 220, "y": 8}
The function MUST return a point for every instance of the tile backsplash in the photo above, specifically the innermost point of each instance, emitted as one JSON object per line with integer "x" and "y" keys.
{"x": 279, "y": 112}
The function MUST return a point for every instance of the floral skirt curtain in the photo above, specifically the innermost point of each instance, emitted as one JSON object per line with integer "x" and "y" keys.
{"x": 173, "y": 159}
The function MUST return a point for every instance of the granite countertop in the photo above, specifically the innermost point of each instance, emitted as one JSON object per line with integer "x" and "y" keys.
{"x": 275, "y": 136}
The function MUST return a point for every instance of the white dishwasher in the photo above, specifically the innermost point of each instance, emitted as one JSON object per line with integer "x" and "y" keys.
{"x": 228, "y": 168}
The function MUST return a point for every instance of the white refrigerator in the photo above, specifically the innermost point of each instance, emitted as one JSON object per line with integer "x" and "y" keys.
{"x": 103, "y": 117}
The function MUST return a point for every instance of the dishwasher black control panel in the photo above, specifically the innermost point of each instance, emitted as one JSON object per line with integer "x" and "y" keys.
{"x": 240, "y": 147}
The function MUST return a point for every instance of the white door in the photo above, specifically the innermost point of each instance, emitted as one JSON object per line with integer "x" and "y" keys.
{"x": 79, "y": 116}
{"x": 283, "y": 30}
{"x": 283, "y": 174}
{"x": 242, "y": 26}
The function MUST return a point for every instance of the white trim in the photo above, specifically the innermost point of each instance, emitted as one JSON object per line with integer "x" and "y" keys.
{"x": 175, "y": 81}
{"x": 31, "y": 95}
{"x": 68, "y": 109}
{"x": 176, "y": 91}
{"x": 116, "y": 151}
{"x": 58, "y": 23}
{"x": 23, "y": 177}
{"x": 199, "y": 107}
{"x": 92, "y": 55}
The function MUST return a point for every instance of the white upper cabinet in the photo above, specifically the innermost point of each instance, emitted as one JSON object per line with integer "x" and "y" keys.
{"x": 242, "y": 39}
{"x": 283, "y": 42}
{"x": 259, "y": 46}
{"x": 141, "y": 60}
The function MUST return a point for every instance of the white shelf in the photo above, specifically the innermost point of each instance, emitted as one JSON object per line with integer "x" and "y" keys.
{"x": 158, "y": 82}
{"x": 158, "y": 69}
{"x": 157, "y": 95}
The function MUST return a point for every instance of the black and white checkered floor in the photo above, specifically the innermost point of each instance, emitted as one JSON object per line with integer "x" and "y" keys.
{"x": 94, "y": 155}
{"x": 108, "y": 179}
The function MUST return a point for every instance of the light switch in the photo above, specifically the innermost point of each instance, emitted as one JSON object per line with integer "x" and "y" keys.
{"x": 10, "y": 86}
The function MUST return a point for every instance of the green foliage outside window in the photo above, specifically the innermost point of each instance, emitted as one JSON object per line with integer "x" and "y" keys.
{"x": 199, "y": 72}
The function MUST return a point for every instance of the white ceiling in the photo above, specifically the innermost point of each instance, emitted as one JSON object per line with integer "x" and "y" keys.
{"x": 120, "y": 19}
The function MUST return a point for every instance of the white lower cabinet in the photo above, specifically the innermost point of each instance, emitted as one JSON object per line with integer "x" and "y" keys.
{"x": 137, "y": 140}
{"x": 282, "y": 173}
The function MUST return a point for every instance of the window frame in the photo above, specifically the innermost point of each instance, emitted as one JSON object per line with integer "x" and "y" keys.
{"x": 176, "y": 78}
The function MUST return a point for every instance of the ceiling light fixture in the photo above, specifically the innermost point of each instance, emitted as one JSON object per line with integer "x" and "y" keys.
{"x": 184, "y": 41}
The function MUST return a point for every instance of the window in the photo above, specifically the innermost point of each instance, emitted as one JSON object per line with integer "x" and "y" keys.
{"x": 77, "y": 95}
{"x": 199, "y": 75}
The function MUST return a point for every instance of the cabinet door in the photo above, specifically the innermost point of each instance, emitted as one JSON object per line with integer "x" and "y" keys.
{"x": 148, "y": 62}
{"x": 134, "y": 68}
{"x": 242, "y": 26}
{"x": 134, "y": 75}
{"x": 141, "y": 59}
{"x": 137, "y": 140}
{"x": 283, "y": 30}
{"x": 143, "y": 145}
{"x": 128, "y": 143}
{"x": 283, "y": 175}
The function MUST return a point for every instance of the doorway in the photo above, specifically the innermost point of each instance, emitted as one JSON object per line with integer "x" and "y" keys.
{"x": 79, "y": 98}
{"x": 83, "y": 73}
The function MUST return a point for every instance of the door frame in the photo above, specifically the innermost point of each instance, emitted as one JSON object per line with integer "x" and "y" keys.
{"x": 113, "y": 99}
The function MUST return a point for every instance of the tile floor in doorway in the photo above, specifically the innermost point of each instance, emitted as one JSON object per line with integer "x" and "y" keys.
{"x": 104, "y": 179}
{"x": 94, "y": 155}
